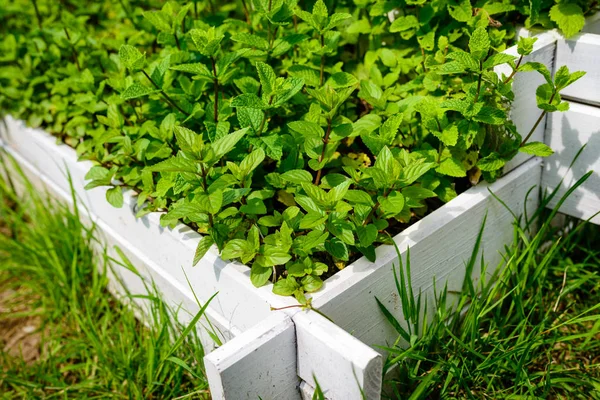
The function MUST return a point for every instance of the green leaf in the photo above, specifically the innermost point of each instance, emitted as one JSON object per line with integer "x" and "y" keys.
{"x": 479, "y": 43}
{"x": 497, "y": 59}
{"x": 537, "y": 149}
{"x": 188, "y": 140}
{"x": 254, "y": 207}
{"x": 197, "y": 69}
{"x": 227, "y": 143}
{"x": 306, "y": 128}
{"x": 252, "y": 161}
{"x": 285, "y": 287}
{"x": 466, "y": 60}
{"x": 452, "y": 167}
{"x": 259, "y": 275}
{"x": 536, "y": 66}
{"x": 159, "y": 19}
{"x": 274, "y": 256}
{"x": 250, "y": 40}
{"x": 342, "y": 80}
{"x": 569, "y": 18}
{"x": 236, "y": 248}
{"x": 311, "y": 283}
{"x": 131, "y": 57}
{"x": 525, "y": 45}
{"x": 404, "y": 23}
{"x": 203, "y": 245}
{"x": 297, "y": 176}
{"x": 337, "y": 248}
{"x": 490, "y": 163}
{"x": 392, "y": 204}
{"x": 114, "y": 196}
{"x": 460, "y": 10}
{"x": 367, "y": 234}
{"x": 267, "y": 78}
{"x": 175, "y": 164}
{"x": 215, "y": 201}
{"x": 312, "y": 219}
{"x": 136, "y": 90}
{"x": 564, "y": 78}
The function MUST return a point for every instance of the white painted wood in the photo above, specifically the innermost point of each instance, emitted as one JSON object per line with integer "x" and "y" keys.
{"x": 179, "y": 298}
{"x": 524, "y": 110}
{"x": 592, "y": 24}
{"x": 259, "y": 362}
{"x": 344, "y": 367}
{"x": 581, "y": 53}
{"x": 440, "y": 244}
{"x": 567, "y": 133}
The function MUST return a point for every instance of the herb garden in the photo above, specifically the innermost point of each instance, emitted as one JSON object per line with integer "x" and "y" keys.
{"x": 271, "y": 151}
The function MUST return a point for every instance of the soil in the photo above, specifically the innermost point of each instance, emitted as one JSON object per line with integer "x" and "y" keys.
{"x": 20, "y": 332}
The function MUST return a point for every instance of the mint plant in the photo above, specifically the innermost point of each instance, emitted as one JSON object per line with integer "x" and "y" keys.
{"x": 294, "y": 137}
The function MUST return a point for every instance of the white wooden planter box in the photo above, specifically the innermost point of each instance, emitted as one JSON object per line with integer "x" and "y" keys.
{"x": 276, "y": 354}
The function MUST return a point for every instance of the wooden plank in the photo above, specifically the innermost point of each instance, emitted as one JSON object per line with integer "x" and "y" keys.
{"x": 567, "y": 133}
{"x": 172, "y": 250}
{"x": 592, "y": 24}
{"x": 581, "y": 53}
{"x": 179, "y": 298}
{"x": 345, "y": 367}
{"x": 524, "y": 110}
{"x": 259, "y": 362}
{"x": 440, "y": 244}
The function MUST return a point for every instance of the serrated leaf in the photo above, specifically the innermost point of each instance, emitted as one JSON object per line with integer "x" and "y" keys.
{"x": 452, "y": 167}
{"x": 479, "y": 43}
{"x": 537, "y": 149}
{"x": 337, "y": 248}
{"x": 404, "y": 23}
{"x": 569, "y": 18}
{"x": 131, "y": 57}
{"x": 175, "y": 164}
{"x": 225, "y": 144}
{"x": 203, "y": 245}
{"x": 297, "y": 176}
{"x": 136, "y": 90}
{"x": 267, "y": 78}
{"x": 491, "y": 163}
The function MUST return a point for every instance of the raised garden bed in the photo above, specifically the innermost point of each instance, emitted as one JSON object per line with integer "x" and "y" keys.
{"x": 277, "y": 354}
{"x": 305, "y": 343}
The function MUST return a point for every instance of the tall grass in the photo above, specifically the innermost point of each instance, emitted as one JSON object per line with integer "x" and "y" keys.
{"x": 531, "y": 331}
{"x": 90, "y": 345}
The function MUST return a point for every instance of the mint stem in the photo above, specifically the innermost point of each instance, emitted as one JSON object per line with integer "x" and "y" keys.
{"x": 322, "y": 156}
{"x": 538, "y": 121}
{"x": 216, "y": 84}
{"x": 166, "y": 96}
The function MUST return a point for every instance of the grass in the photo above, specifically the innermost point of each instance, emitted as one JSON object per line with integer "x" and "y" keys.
{"x": 62, "y": 334}
{"x": 531, "y": 331}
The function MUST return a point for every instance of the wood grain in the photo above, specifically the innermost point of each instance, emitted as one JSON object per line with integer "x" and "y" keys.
{"x": 566, "y": 134}
{"x": 259, "y": 362}
{"x": 581, "y": 53}
{"x": 343, "y": 366}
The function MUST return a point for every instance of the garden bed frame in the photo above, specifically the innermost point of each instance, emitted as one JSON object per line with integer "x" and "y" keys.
{"x": 277, "y": 354}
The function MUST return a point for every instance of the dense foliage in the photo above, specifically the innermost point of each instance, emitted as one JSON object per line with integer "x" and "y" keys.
{"x": 295, "y": 135}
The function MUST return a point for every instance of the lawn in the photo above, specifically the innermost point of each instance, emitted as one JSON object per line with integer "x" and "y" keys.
{"x": 62, "y": 334}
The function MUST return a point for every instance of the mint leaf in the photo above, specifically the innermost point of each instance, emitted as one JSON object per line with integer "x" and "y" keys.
{"x": 569, "y": 18}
